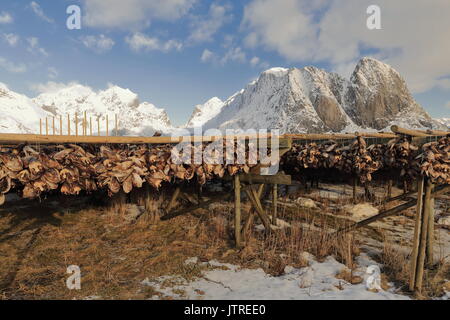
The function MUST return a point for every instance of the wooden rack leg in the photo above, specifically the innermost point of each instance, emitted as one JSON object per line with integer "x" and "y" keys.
{"x": 275, "y": 205}
{"x": 237, "y": 211}
{"x": 423, "y": 237}
{"x": 417, "y": 228}
{"x": 430, "y": 235}
{"x": 173, "y": 200}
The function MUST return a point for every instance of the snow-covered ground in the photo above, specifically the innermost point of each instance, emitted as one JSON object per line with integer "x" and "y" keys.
{"x": 317, "y": 281}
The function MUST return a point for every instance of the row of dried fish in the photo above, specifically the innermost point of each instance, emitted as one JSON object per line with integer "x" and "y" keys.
{"x": 431, "y": 160}
{"x": 73, "y": 168}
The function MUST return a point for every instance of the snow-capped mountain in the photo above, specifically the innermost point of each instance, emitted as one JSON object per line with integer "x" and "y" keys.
{"x": 204, "y": 112}
{"x": 18, "y": 114}
{"x": 444, "y": 121}
{"x": 135, "y": 118}
{"x": 312, "y": 100}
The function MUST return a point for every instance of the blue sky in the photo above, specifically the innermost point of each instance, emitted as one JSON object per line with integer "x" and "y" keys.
{"x": 179, "y": 53}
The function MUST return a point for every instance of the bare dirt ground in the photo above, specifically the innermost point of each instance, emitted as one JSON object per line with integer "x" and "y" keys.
{"x": 39, "y": 240}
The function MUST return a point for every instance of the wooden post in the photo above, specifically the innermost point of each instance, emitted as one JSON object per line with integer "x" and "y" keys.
{"x": 76, "y": 124}
{"x": 275, "y": 204}
{"x": 85, "y": 123}
{"x": 60, "y": 126}
{"x": 46, "y": 126}
{"x": 53, "y": 122}
{"x": 237, "y": 210}
{"x": 355, "y": 183}
{"x": 173, "y": 200}
{"x": 417, "y": 228}
{"x": 389, "y": 189}
{"x": 40, "y": 127}
{"x": 107, "y": 126}
{"x": 430, "y": 234}
{"x": 68, "y": 124}
{"x": 117, "y": 125}
{"x": 423, "y": 237}
{"x": 98, "y": 125}
{"x": 90, "y": 126}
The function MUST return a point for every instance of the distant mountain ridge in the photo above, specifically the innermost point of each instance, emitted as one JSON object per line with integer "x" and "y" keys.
{"x": 307, "y": 100}
{"x": 311, "y": 100}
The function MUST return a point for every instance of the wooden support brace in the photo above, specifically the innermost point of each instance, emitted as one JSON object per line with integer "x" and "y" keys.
{"x": 253, "y": 196}
{"x": 251, "y": 214}
{"x": 173, "y": 200}
{"x": 237, "y": 211}
{"x": 417, "y": 228}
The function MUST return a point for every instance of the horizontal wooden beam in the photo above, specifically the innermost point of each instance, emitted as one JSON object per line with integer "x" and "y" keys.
{"x": 284, "y": 142}
{"x": 390, "y": 212}
{"x": 408, "y": 132}
{"x": 259, "y": 179}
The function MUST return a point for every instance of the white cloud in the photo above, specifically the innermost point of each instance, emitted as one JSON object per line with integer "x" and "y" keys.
{"x": 11, "y": 38}
{"x": 5, "y": 18}
{"x": 39, "y": 12}
{"x": 207, "y": 56}
{"x": 52, "y": 72}
{"x": 50, "y": 86}
{"x": 141, "y": 42}
{"x": 12, "y": 67}
{"x": 204, "y": 28}
{"x": 413, "y": 39}
{"x": 234, "y": 54}
{"x": 255, "y": 61}
{"x": 98, "y": 44}
{"x": 33, "y": 46}
{"x": 132, "y": 14}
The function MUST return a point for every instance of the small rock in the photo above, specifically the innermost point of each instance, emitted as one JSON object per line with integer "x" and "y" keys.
{"x": 444, "y": 221}
{"x": 361, "y": 210}
{"x": 306, "y": 203}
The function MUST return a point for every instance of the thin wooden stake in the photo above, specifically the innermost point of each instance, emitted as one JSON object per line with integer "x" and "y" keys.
{"x": 76, "y": 124}
{"x": 68, "y": 124}
{"x": 60, "y": 126}
{"x": 173, "y": 199}
{"x": 275, "y": 205}
{"x": 107, "y": 126}
{"x": 417, "y": 228}
{"x": 85, "y": 123}
{"x": 46, "y": 126}
{"x": 54, "y": 128}
{"x": 430, "y": 235}
{"x": 40, "y": 127}
{"x": 117, "y": 125}
{"x": 90, "y": 126}
{"x": 98, "y": 125}
{"x": 237, "y": 210}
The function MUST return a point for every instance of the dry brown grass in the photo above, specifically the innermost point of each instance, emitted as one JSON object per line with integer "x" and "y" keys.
{"x": 39, "y": 241}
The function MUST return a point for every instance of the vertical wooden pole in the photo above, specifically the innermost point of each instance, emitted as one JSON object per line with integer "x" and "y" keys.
{"x": 423, "y": 236}
{"x": 355, "y": 183}
{"x": 46, "y": 126}
{"x": 237, "y": 210}
{"x": 107, "y": 126}
{"x": 54, "y": 128}
{"x": 430, "y": 234}
{"x": 98, "y": 125}
{"x": 60, "y": 126}
{"x": 68, "y": 124}
{"x": 275, "y": 204}
{"x": 117, "y": 125}
{"x": 85, "y": 123}
{"x": 40, "y": 127}
{"x": 417, "y": 228}
{"x": 389, "y": 190}
{"x": 90, "y": 126}
{"x": 76, "y": 124}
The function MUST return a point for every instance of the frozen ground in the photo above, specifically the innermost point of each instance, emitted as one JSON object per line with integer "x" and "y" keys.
{"x": 317, "y": 281}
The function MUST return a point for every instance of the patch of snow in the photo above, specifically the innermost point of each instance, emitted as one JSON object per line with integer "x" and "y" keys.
{"x": 316, "y": 282}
